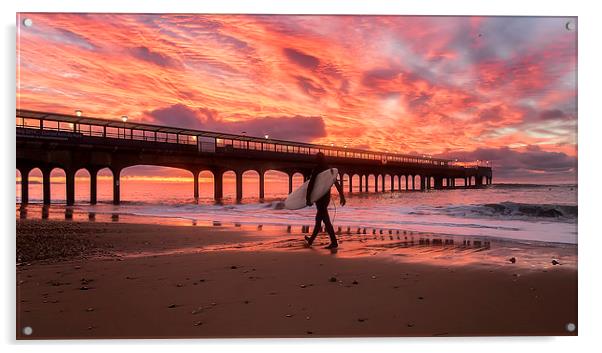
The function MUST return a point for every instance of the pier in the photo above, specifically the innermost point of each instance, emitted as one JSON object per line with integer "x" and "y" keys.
{"x": 47, "y": 141}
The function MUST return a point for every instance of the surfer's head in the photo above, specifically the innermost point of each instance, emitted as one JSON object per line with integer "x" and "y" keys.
{"x": 320, "y": 157}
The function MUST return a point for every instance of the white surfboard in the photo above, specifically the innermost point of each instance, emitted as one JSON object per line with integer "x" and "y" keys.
{"x": 324, "y": 181}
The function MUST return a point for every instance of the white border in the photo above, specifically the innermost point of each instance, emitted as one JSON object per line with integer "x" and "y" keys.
{"x": 590, "y": 54}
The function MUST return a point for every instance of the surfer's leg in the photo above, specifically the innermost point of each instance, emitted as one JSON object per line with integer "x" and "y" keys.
{"x": 329, "y": 228}
{"x": 317, "y": 226}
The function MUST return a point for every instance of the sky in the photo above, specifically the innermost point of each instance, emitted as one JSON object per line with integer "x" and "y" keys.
{"x": 491, "y": 88}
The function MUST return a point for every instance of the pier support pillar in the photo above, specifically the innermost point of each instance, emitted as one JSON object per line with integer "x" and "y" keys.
{"x": 290, "y": 183}
{"x": 70, "y": 186}
{"x": 46, "y": 185}
{"x": 341, "y": 180}
{"x": 25, "y": 187}
{"x": 218, "y": 185}
{"x": 93, "y": 185}
{"x": 392, "y": 183}
{"x": 361, "y": 183}
{"x": 116, "y": 186}
{"x": 366, "y": 177}
{"x": 239, "y": 185}
{"x": 350, "y": 183}
{"x": 195, "y": 179}
{"x": 413, "y": 182}
{"x": 438, "y": 182}
{"x": 376, "y": 183}
{"x": 382, "y": 187}
{"x": 262, "y": 184}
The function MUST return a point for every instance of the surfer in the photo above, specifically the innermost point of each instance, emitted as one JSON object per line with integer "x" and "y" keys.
{"x": 322, "y": 204}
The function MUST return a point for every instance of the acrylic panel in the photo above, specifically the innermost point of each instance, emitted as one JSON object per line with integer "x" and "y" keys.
{"x": 155, "y": 152}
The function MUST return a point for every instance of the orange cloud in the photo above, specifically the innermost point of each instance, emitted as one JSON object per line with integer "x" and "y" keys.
{"x": 403, "y": 84}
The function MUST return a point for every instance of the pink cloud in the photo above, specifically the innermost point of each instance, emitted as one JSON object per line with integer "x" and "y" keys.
{"x": 427, "y": 84}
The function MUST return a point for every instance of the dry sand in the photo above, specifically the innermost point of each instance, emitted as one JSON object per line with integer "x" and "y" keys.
{"x": 116, "y": 280}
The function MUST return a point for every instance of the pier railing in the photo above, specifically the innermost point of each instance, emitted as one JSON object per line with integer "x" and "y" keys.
{"x": 30, "y": 121}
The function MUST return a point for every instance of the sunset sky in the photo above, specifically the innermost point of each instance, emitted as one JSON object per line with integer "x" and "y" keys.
{"x": 492, "y": 88}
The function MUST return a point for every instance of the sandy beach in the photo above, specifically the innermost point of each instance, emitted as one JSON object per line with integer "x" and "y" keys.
{"x": 119, "y": 280}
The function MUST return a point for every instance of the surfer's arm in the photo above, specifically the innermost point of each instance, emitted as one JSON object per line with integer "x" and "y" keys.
{"x": 310, "y": 187}
{"x": 340, "y": 190}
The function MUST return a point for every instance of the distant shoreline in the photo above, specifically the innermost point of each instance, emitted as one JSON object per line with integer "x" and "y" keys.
{"x": 17, "y": 181}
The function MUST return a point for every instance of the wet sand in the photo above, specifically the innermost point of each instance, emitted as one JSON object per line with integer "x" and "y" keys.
{"x": 118, "y": 280}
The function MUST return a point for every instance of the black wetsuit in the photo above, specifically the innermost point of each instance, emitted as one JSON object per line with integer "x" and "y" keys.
{"x": 322, "y": 207}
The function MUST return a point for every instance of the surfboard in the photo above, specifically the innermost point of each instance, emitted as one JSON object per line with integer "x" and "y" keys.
{"x": 324, "y": 181}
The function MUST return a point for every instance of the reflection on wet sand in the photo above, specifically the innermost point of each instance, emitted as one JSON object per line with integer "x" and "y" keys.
{"x": 418, "y": 247}
{"x": 354, "y": 241}
{"x": 45, "y": 212}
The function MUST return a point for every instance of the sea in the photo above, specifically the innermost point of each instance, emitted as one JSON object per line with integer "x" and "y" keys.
{"x": 523, "y": 212}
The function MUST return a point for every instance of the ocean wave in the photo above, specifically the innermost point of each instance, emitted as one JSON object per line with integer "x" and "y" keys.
{"x": 513, "y": 210}
{"x": 531, "y": 186}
